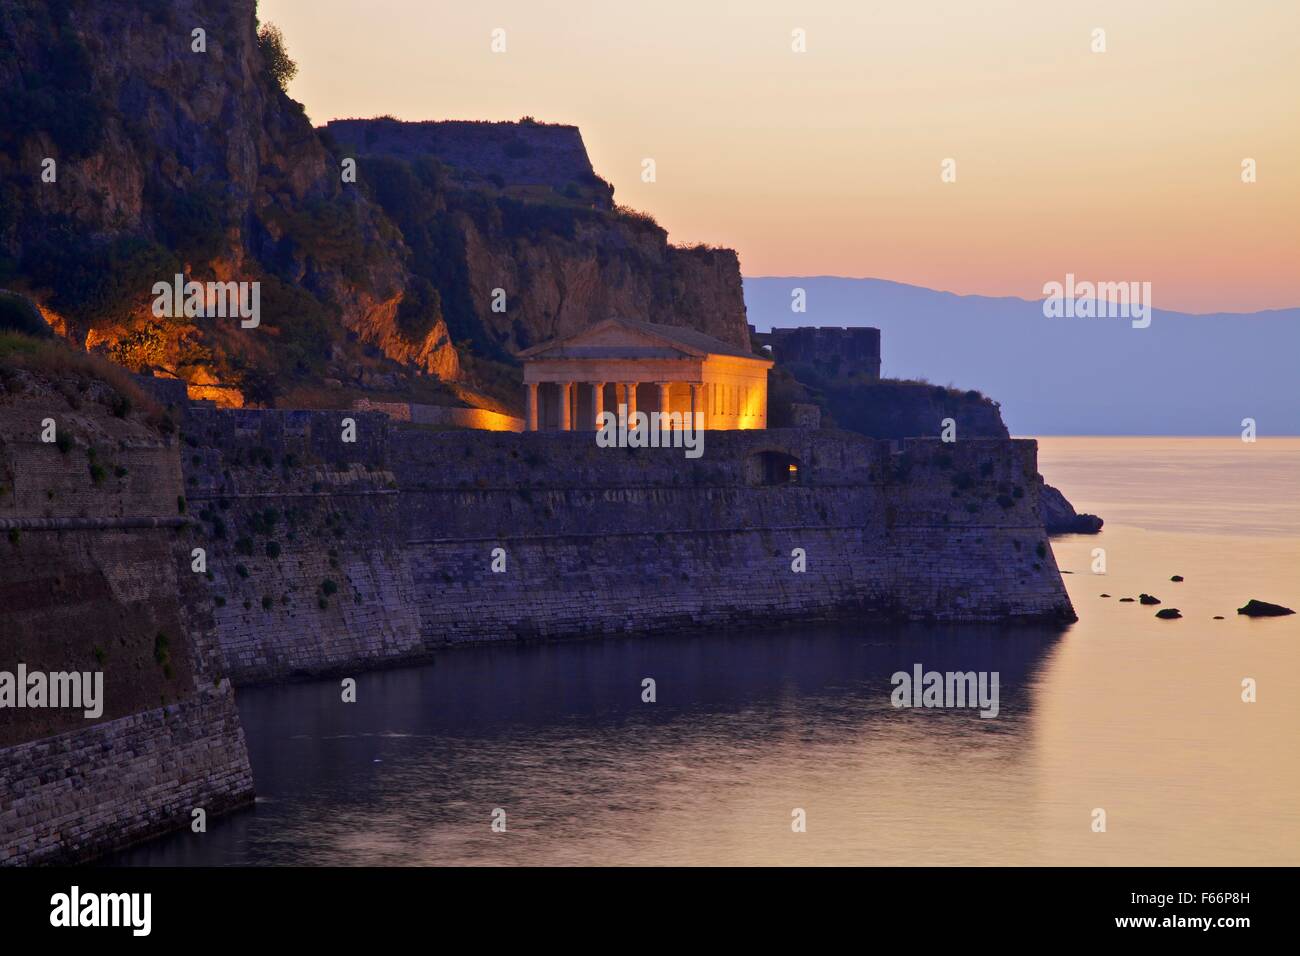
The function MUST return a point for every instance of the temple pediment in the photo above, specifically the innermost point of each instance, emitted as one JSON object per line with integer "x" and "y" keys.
{"x": 628, "y": 339}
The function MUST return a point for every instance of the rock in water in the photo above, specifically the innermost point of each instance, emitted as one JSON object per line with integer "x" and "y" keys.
{"x": 1255, "y": 608}
{"x": 1059, "y": 516}
{"x": 1176, "y": 577}
{"x": 1125, "y": 600}
{"x": 1148, "y": 599}
{"x": 1168, "y": 613}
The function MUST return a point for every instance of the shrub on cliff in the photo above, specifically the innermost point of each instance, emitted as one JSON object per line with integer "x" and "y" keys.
{"x": 275, "y": 55}
{"x": 327, "y": 230}
{"x": 420, "y": 311}
{"x": 636, "y": 216}
{"x": 193, "y": 221}
{"x": 303, "y": 325}
{"x": 19, "y": 314}
{"x": 96, "y": 283}
{"x": 538, "y": 220}
{"x": 57, "y": 97}
{"x": 260, "y": 387}
{"x": 55, "y": 360}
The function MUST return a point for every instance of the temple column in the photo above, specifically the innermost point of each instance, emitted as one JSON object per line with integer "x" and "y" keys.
{"x": 530, "y": 417}
{"x": 630, "y": 389}
{"x": 566, "y": 410}
{"x": 699, "y": 404}
{"x": 664, "y": 401}
{"x": 597, "y": 402}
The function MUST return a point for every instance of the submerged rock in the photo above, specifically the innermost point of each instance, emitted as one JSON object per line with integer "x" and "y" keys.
{"x": 1125, "y": 600}
{"x": 1176, "y": 577}
{"x": 1168, "y": 613}
{"x": 1218, "y": 617}
{"x": 1148, "y": 599}
{"x": 1255, "y": 608}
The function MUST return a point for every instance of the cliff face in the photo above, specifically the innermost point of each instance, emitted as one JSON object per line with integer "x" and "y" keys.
{"x": 176, "y": 153}
{"x": 173, "y": 159}
{"x": 516, "y": 207}
{"x": 555, "y": 285}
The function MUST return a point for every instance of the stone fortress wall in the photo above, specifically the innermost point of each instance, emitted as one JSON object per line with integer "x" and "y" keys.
{"x": 95, "y": 577}
{"x": 835, "y": 351}
{"x": 520, "y": 153}
{"x": 328, "y": 555}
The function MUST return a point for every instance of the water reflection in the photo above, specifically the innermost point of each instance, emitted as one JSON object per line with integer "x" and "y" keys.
{"x": 746, "y": 727}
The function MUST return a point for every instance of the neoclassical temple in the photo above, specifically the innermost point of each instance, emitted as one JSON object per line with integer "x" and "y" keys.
{"x": 648, "y": 367}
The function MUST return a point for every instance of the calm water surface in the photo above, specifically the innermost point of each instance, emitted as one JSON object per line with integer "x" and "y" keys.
{"x": 1122, "y": 711}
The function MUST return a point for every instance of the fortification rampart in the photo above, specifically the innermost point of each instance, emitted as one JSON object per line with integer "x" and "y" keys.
{"x": 95, "y": 578}
{"x": 523, "y": 153}
{"x": 342, "y": 540}
{"x": 329, "y": 554}
{"x": 831, "y": 351}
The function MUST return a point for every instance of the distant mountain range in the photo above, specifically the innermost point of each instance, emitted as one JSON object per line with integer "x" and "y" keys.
{"x": 1183, "y": 375}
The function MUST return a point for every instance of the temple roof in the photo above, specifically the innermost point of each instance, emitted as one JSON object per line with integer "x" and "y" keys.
{"x": 628, "y": 338}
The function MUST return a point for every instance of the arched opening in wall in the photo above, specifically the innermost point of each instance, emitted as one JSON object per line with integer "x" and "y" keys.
{"x": 773, "y": 468}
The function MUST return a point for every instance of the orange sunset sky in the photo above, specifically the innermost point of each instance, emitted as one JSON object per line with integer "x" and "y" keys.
{"x": 1122, "y": 165}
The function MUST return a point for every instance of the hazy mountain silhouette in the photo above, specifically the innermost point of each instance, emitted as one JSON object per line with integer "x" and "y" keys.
{"x": 1183, "y": 375}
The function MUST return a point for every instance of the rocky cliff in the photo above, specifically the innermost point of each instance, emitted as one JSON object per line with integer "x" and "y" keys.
{"x": 175, "y": 150}
{"x": 142, "y": 140}
{"x": 516, "y": 207}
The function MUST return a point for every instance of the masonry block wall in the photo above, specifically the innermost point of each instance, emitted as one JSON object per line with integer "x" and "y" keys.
{"x": 330, "y": 555}
{"x": 519, "y": 153}
{"x": 305, "y": 538}
{"x": 327, "y": 554}
{"x": 95, "y": 577}
{"x": 832, "y": 351}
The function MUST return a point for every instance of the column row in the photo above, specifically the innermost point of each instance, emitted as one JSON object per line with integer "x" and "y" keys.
{"x": 625, "y": 394}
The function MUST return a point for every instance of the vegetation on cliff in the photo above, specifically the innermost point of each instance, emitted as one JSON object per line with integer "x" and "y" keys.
{"x": 27, "y": 362}
{"x": 130, "y": 152}
{"x": 896, "y": 409}
{"x": 885, "y": 408}
{"x": 128, "y": 156}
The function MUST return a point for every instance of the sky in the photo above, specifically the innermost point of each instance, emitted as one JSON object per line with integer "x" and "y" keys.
{"x": 1122, "y": 165}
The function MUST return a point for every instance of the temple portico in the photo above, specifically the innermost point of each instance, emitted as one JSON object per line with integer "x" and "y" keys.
{"x": 648, "y": 368}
